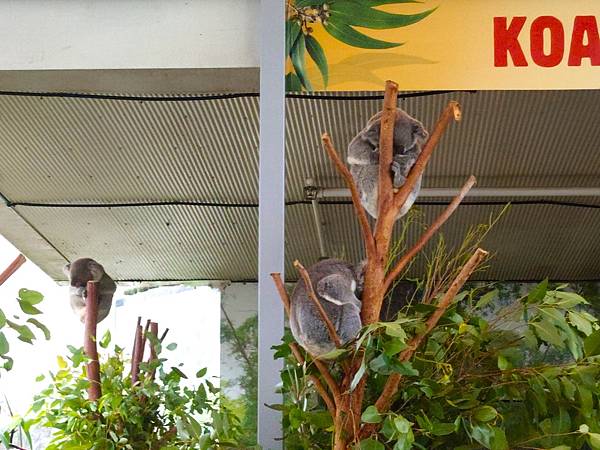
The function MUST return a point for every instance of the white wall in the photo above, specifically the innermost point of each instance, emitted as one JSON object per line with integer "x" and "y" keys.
{"x": 128, "y": 34}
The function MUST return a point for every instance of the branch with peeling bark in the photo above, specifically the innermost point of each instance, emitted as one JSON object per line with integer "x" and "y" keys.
{"x": 392, "y": 384}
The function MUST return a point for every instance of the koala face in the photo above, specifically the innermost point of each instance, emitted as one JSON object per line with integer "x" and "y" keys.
{"x": 408, "y": 131}
{"x": 80, "y": 272}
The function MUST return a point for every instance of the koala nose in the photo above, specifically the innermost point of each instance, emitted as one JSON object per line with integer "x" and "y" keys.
{"x": 84, "y": 293}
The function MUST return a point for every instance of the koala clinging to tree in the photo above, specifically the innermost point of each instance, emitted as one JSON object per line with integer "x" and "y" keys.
{"x": 335, "y": 283}
{"x": 363, "y": 157}
{"x": 80, "y": 272}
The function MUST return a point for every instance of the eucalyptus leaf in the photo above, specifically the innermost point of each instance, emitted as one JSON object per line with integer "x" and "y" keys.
{"x": 317, "y": 54}
{"x": 487, "y": 298}
{"x": 297, "y": 54}
{"x": 348, "y": 35}
{"x": 356, "y": 13}
{"x": 358, "y": 376}
{"x": 29, "y": 309}
{"x": 25, "y": 333}
{"x": 292, "y": 84}
{"x": 41, "y": 327}
{"x": 4, "y": 346}
{"x": 371, "y": 444}
{"x": 292, "y": 31}
{"x": 591, "y": 344}
{"x": 538, "y": 293}
{"x": 485, "y": 414}
{"x": 371, "y": 415}
{"x": 31, "y": 297}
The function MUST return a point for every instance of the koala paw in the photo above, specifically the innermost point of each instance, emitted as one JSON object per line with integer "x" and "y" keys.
{"x": 397, "y": 171}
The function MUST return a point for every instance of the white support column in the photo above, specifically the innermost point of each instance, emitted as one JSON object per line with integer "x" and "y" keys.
{"x": 271, "y": 211}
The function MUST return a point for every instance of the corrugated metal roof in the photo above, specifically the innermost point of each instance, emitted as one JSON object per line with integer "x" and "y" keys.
{"x": 82, "y": 150}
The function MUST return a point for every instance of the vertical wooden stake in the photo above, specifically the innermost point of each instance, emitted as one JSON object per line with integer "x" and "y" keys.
{"x": 137, "y": 339}
{"x": 89, "y": 341}
{"x": 12, "y": 268}
{"x": 153, "y": 356}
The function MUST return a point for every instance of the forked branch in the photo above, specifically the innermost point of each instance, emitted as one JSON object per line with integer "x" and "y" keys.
{"x": 393, "y": 382}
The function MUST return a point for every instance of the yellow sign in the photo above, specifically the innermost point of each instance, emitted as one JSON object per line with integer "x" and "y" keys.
{"x": 350, "y": 45}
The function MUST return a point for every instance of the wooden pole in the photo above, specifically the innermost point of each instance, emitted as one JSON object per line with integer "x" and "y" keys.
{"x": 153, "y": 355}
{"x": 12, "y": 268}
{"x": 89, "y": 341}
{"x": 138, "y": 354}
{"x": 135, "y": 346}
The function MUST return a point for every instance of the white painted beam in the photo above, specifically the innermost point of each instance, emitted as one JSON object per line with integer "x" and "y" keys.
{"x": 271, "y": 219}
{"x": 131, "y": 34}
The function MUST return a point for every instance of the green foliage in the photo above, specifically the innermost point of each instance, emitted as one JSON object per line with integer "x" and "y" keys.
{"x": 165, "y": 413}
{"x": 338, "y": 18}
{"x": 492, "y": 382}
{"x": 26, "y": 300}
{"x": 243, "y": 342}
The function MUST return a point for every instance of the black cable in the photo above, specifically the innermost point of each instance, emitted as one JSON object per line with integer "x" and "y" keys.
{"x": 194, "y": 98}
{"x": 288, "y": 203}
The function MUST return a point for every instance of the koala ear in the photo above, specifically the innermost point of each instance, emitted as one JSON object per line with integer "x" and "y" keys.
{"x": 67, "y": 270}
{"x": 96, "y": 270}
{"x": 371, "y": 133}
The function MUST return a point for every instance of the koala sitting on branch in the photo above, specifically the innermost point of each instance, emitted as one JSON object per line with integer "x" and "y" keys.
{"x": 363, "y": 158}
{"x": 335, "y": 284}
{"x": 80, "y": 272}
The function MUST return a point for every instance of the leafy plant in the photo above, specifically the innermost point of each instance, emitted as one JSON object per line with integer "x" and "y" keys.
{"x": 243, "y": 341}
{"x": 476, "y": 383}
{"x": 27, "y": 300}
{"x": 338, "y": 18}
{"x": 153, "y": 414}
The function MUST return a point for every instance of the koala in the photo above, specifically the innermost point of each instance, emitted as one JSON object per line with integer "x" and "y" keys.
{"x": 335, "y": 283}
{"x": 80, "y": 272}
{"x": 363, "y": 158}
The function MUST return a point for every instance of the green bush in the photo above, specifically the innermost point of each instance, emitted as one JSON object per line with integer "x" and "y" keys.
{"x": 159, "y": 414}
{"x": 527, "y": 376}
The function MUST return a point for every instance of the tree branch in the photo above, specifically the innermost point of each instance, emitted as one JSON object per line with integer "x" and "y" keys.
{"x": 331, "y": 383}
{"x": 89, "y": 341}
{"x": 313, "y": 297}
{"x": 12, "y": 268}
{"x": 384, "y": 401}
{"x": 360, "y": 212}
{"x": 385, "y": 192}
{"x": 425, "y": 237}
{"x": 452, "y": 112}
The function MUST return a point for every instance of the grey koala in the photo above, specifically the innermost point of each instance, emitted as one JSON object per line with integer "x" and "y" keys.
{"x": 80, "y": 272}
{"x": 335, "y": 283}
{"x": 363, "y": 157}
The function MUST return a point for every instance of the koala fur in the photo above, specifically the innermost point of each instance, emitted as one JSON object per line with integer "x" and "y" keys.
{"x": 335, "y": 283}
{"x": 80, "y": 272}
{"x": 363, "y": 158}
